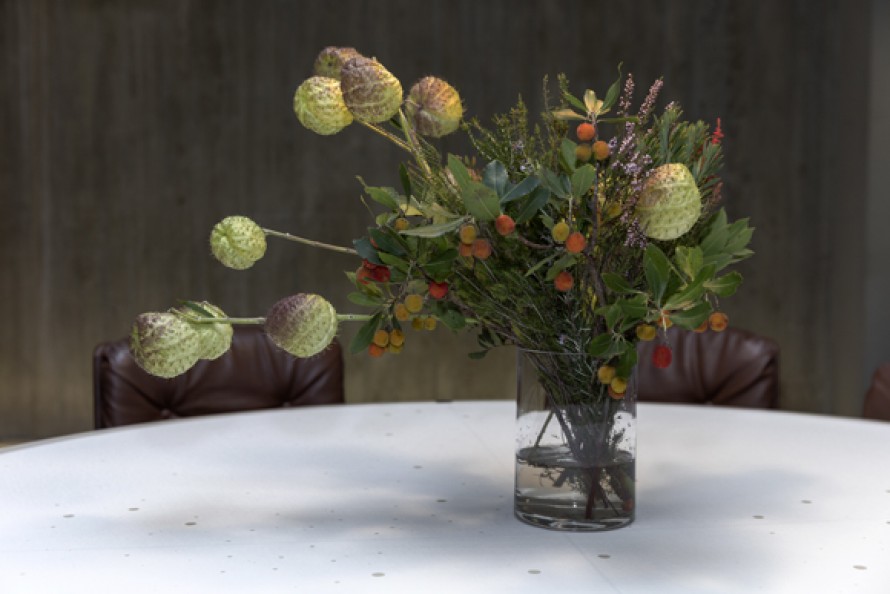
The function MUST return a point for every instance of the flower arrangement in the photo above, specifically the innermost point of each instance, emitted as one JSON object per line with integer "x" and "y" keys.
{"x": 572, "y": 239}
{"x": 559, "y": 236}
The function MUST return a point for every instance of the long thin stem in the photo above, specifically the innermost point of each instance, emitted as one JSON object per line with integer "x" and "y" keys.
{"x": 312, "y": 242}
{"x": 386, "y": 134}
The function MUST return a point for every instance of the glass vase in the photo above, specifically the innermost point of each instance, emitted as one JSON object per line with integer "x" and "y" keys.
{"x": 575, "y": 444}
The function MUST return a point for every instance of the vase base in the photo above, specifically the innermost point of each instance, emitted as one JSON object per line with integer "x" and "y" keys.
{"x": 546, "y": 518}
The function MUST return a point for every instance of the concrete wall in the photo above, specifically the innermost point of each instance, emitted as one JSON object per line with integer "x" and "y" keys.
{"x": 130, "y": 127}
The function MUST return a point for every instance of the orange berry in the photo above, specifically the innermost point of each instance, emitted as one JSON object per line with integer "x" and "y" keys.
{"x": 585, "y": 131}
{"x": 375, "y": 350}
{"x": 414, "y": 302}
{"x": 467, "y": 233}
{"x": 583, "y": 152}
{"x": 417, "y": 323}
{"x": 563, "y": 281}
{"x": 575, "y": 243}
{"x": 482, "y": 249}
{"x": 560, "y": 231}
{"x": 504, "y": 224}
{"x": 664, "y": 321}
{"x": 429, "y": 323}
{"x": 701, "y": 327}
{"x": 601, "y": 150}
{"x": 400, "y": 224}
{"x": 363, "y": 275}
{"x": 718, "y": 321}
{"x": 381, "y": 338}
{"x": 465, "y": 250}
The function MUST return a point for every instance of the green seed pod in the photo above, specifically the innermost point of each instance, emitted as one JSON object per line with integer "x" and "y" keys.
{"x": 215, "y": 338}
{"x": 237, "y": 242}
{"x": 302, "y": 324}
{"x": 319, "y": 106}
{"x": 434, "y": 107}
{"x": 670, "y": 202}
{"x": 331, "y": 60}
{"x": 370, "y": 91}
{"x": 164, "y": 344}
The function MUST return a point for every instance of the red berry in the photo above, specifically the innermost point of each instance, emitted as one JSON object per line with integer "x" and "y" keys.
{"x": 504, "y": 224}
{"x": 575, "y": 243}
{"x": 381, "y": 274}
{"x": 662, "y": 356}
{"x": 362, "y": 275}
{"x": 438, "y": 290}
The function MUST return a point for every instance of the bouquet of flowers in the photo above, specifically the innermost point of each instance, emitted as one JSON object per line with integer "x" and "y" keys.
{"x": 598, "y": 227}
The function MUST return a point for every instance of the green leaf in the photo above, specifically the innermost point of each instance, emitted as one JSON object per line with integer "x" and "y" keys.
{"x": 440, "y": 266}
{"x": 688, "y": 295}
{"x": 567, "y": 114}
{"x": 481, "y": 201}
{"x": 567, "y": 152}
{"x": 633, "y": 307}
{"x": 558, "y": 185}
{"x": 726, "y": 285}
{"x": 366, "y": 250}
{"x": 495, "y": 177}
{"x": 612, "y": 93}
{"x": 406, "y": 180}
{"x": 689, "y": 260}
{"x": 521, "y": 189}
{"x": 657, "y": 269}
{"x": 617, "y": 283}
{"x": 384, "y": 196}
{"x": 626, "y": 361}
{"x": 564, "y": 262}
{"x": 611, "y": 313}
{"x": 582, "y": 179}
{"x": 535, "y": 202}
{"x": 574, "y": 101}
{"x": 540, "y": 264}
{"x": 364, "y": 299}
{"x": 365, "y": 335}
{"x": 459, "y": 171}
{"x": 437, "y": 230}
{"x": 394, "y": 261}
{"x": 692, "y": 317}
{"x": 606, "y": 345}
{"x": 386, "y": 242}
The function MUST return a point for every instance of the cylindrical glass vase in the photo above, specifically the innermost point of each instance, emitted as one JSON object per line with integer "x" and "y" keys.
{"x": 575, "y": 444}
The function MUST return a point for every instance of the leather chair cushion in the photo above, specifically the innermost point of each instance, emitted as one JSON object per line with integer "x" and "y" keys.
{"x": 253, "y": 374}
{"x": 877, "y": 399}
{"x": 733, "y": 368}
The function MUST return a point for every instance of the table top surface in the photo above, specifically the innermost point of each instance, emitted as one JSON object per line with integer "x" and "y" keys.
{"x": 417, "y": 497}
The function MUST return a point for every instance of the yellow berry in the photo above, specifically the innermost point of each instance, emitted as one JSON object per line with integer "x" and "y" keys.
{"x": 414, "y": 302}
{"x": 468, "y": 234}
{"x": 601, "y": 150}
{"x": 560, "y": 231}
{"x": 429, "y": 323}
{"x": 395, "y": 350}
{"x": 618, "y": 385}
{"x": 583, "y": 152}
{"x": 417, "y": 323}
{"x": 381, "y": 338}
{"x": 401, "y": 312}
{"x": 396, "y": 338}
{"x": 605, "y": 374}
{"x": 400, "y": 224}
{"x": 646, "y": 332}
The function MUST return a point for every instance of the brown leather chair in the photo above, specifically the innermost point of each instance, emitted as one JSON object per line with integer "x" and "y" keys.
{"x": 877, "y": 399}
{"x": 253, "y": 374}
{"x": 732, "y": 368}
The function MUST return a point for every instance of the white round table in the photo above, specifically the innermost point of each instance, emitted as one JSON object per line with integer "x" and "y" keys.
{"x": 417, "y": 498}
